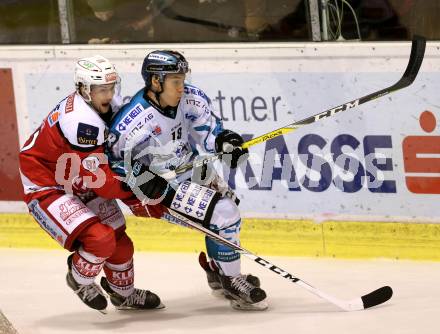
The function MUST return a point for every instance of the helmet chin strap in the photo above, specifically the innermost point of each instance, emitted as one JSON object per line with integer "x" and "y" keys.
{"x": 157, "y": 94}
{"x": 87, "y": 98}
{"x": 84, "y": 93}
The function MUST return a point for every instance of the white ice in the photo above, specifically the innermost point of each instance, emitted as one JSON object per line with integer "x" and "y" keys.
{"x": 36, "y": 300}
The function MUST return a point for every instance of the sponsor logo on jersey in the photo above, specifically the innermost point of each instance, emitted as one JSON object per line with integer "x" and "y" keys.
{"x": 157, "y": 130}
{"x": 46, "y": 223}
{"x": 111, "y": 77}
{"x": 69, "y": 103}
{"x": 108, "y": 211}
{"x": 70, "y": 210}
{"x": 87, "y": 134}
{"x": 132, "y": 114}
{"x": 196, "y": 91}
{"x": 53, "y": 116}
{"x": 181, "y": 149}
{"x": 192, "y": 200}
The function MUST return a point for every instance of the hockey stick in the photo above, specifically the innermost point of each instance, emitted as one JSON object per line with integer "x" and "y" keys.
{"x": 371, "y": 299}
{"x": 410, "y": 74}
{"x": 171, "y": 14}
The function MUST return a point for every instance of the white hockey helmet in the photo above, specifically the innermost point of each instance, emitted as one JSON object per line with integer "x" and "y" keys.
{"x": 95, "y": 70}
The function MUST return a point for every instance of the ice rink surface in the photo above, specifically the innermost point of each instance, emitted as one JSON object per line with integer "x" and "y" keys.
{"x": 35, "y": 298}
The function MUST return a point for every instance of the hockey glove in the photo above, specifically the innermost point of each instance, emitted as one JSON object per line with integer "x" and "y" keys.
{"x": 144, "y": 210}
{"x": 229, "y": 143}
{"x": 148, "y": 186}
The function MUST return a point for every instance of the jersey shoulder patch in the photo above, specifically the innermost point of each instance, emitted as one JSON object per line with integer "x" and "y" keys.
{"x": 81, "y": 126}
{"x": 67, "y": 104}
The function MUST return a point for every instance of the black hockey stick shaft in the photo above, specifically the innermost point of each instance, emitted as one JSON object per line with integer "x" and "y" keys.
{"x": 171, "y": 14}
{"x": 374, "y": 298}
{"x": 410, "y": 74}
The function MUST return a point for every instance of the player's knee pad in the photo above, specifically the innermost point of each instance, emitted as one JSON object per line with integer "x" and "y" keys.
{"x": 98, "y": 239}
{"x": 124, "y": 250}
{"x": 227, "y": 223}
{"x": 119, "y": 267}
{"x": 225, "y": 214}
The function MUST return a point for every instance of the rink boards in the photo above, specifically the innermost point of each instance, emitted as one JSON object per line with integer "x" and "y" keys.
{"x": 376, "y": 163}
{"x": 262, "y": 236}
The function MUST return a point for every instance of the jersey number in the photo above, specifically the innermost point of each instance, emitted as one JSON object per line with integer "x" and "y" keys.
{"x": 177, "y": 134}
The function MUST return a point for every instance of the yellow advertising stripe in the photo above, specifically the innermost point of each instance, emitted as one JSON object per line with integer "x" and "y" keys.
{"x": 262, "y": 236}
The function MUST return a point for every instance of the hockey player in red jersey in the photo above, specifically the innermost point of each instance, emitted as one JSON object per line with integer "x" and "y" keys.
{"x": 70, "y": 190}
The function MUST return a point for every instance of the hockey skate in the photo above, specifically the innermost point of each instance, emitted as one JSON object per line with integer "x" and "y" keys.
{"x": 244, "y": 295}
{"x": 213, "y": 276}
{"x": 238, "y": 301}
{"x": 90, "y": 294}
{"x": 138, "y": 300}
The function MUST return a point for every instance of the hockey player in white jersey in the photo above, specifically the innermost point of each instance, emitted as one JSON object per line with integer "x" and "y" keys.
{"x": 167, "y": 124}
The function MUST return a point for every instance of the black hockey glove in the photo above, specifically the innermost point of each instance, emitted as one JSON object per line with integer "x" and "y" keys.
{"x": 229, "y": 143}
{"x": 147, "y": 185}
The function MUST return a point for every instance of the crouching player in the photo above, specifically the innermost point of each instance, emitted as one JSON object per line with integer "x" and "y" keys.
{"x": 80, "y": 211}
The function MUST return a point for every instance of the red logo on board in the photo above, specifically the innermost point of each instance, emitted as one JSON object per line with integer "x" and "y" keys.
{"x": 421, "y": 157}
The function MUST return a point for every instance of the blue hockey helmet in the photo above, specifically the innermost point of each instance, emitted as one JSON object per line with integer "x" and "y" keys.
{"x": 161, "y": 63}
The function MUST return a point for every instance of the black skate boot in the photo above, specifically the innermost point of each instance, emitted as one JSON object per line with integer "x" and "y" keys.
{"x": 243, "y": 295}
{"x": 90, "y": 294}
{"x": 138, "y": 300}
{"x": 213, "y": 275}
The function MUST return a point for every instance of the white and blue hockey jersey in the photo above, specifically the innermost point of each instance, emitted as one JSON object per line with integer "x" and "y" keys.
{"x": 165, "y": 139}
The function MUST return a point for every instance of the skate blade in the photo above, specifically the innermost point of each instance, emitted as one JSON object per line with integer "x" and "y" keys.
{"x": 126, "y": 308}
{"x": 221, "y": 294}
{"x": 102, "y": 311}
{"x": 243, "y": 306}
{"x": 218, "y": 293}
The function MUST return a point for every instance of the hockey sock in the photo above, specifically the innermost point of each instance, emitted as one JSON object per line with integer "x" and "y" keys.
{"x": 86, "y": 266}
{"x": 120, "y": 277}
{"x": 226, "y": 258}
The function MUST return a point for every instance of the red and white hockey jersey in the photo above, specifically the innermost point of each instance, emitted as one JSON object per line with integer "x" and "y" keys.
{"x": 67, "y": 147}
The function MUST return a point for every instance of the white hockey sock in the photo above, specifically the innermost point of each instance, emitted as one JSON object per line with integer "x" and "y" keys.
{"x": 232, "y": 268}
